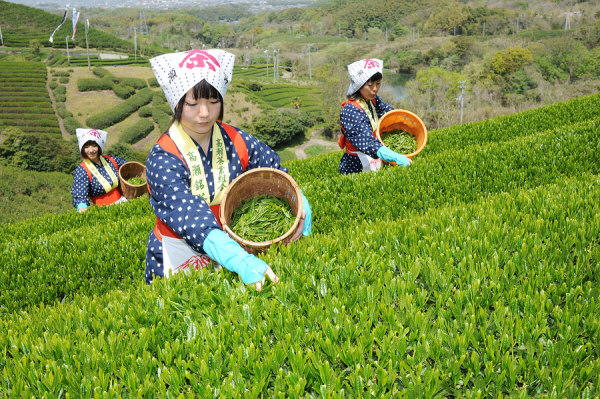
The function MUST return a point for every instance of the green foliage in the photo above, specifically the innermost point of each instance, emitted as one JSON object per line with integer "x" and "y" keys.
{"x": 566, "y": 59}
{"x": 125, "y": 151}
{"x": 90, "y": 84}
{"x": 39, "y": 152}
{"x": 447, "y": 255}
{"x": 137, "y": 131}
{"x": 161, "y": 117}
{"x": 278, "y": 128}
{"x": 28, "y": 194}
{"x": 121, "y": 111}
{"x": 520, "y": 82}
{"x": 101, "y": 72}
{"x": 123, "y": 91}
{"x": 145, "y": 111}
{"x": 507, "y": 62}
{"x": 136, "y": 83}
{"x": 71, "y": 124}
{"x": 62, "y": 111}
{"x": 24, "y": 99}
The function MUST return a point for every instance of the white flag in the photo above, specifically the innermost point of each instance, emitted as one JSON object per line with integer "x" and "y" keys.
{"x": 75, "y": 18}
{"x": 51, "y": 40}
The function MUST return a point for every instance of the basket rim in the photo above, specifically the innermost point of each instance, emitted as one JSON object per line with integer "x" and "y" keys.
{"x": 262, "y": 244}
{"x": 124, "y": 181}
{"x": 411, "y": 114}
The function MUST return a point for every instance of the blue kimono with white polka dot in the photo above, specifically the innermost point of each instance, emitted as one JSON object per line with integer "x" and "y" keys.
{"x": 359, "y": 132}
{"x": 83, "y": 189}
{"x": 187, "y": 214}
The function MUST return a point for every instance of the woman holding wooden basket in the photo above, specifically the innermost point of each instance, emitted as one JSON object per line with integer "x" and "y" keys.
{"x": 96, "y": 179}
{"x": 192, "y": 164}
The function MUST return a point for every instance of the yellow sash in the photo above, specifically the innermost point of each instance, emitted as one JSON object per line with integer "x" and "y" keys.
{"x": 220, "y": 169}
{"x": 374, "y": 119}
{"x": 96, "y": 173}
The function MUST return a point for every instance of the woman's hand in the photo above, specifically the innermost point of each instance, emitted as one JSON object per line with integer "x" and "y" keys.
{"x": 272, "y": 276}
{"x": 81, "y": 210}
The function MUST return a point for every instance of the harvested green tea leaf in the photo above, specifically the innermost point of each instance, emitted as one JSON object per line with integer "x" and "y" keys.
{"x": 400, "y": 141}
{"x": 262, "y": 218}
{"x": 136, "y": 181}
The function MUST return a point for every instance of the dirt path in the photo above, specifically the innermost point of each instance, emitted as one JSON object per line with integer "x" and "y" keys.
{"x": 63, "y": 131}
{"x": 314, "y": 140}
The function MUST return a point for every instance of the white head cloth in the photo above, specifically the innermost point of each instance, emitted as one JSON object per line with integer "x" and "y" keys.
{"x": 96, "y": 135}
{"x": 361, "y": 71}
{"x": 178, "y": 72}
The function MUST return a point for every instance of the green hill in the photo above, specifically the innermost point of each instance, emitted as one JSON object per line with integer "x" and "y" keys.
{"x": 22, "y": 24}
{"x": 471, "y": 273}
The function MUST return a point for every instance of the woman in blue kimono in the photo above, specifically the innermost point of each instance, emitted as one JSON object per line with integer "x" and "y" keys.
{"x": 96, "y": 178}
{"x": 358, "y": 120}
{"x": 192, "y": 164}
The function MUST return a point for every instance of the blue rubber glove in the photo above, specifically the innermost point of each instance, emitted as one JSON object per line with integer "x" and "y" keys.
{"x": 308, "y": 219}
{"x": 228, "y": 253}
{"x": 388, "y": 155}
{"x": 81, "y": 205}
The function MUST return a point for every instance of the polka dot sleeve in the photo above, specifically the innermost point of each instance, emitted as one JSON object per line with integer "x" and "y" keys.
{"x": 173, "y": 202}
{"x": 81, "y": 187}
{"x": 382, "y": 107}
{"x": 358, "y": 130}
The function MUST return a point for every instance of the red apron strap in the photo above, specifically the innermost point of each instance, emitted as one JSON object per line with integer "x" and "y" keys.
{"x": 112, "y": 160}
{"x": 238, "y": 143}
{"x": 167, "y": 144}
{"x": 89, "y": 173}
{"x": 161, "y": 229}
{"x": 343, "y": 142}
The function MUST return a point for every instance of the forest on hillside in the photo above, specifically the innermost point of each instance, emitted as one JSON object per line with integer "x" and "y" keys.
{"x": 509, "y": 55}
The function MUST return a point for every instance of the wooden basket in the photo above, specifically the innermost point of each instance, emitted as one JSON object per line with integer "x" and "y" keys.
{"x": 251, "y": 184}
{"x": 127, "y": 171}
{"x": 404, "y": 120}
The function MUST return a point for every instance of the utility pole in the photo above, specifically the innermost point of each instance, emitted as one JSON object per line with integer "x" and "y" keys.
{"x": 87, "y": 46}
{"x": 68, "y": 56}
{"x": 135, "y": 42}
{"x": 1, "y": 38}
{"x": 275, "y": 66}
{"x": 309, "y": 67}
{"x": 267, "y": 53}
{"x": 484, "y": 28}
{"x": 567, "y": 21}
{"x": 461, "y": 98}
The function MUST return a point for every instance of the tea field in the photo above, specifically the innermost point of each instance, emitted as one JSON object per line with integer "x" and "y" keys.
{"x": 472, "y": 273}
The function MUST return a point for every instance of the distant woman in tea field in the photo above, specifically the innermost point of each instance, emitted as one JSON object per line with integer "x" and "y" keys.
{"x": 96, "y": 179}
{"x": 192, "y": 164}
{"x": 359, "y": 117}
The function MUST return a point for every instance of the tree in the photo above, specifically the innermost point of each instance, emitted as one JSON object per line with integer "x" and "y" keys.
{"x": 507, "y": 62}
{"x": 275, "y": 128}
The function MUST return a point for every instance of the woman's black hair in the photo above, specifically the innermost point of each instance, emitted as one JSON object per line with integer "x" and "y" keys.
{"x": 202, "y": 89}
{"x": 83, "y": 155}
{"x": 356, "y": 95}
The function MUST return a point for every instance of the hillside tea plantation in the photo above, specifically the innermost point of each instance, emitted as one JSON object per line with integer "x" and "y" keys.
{"x": 472, "y": 273}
